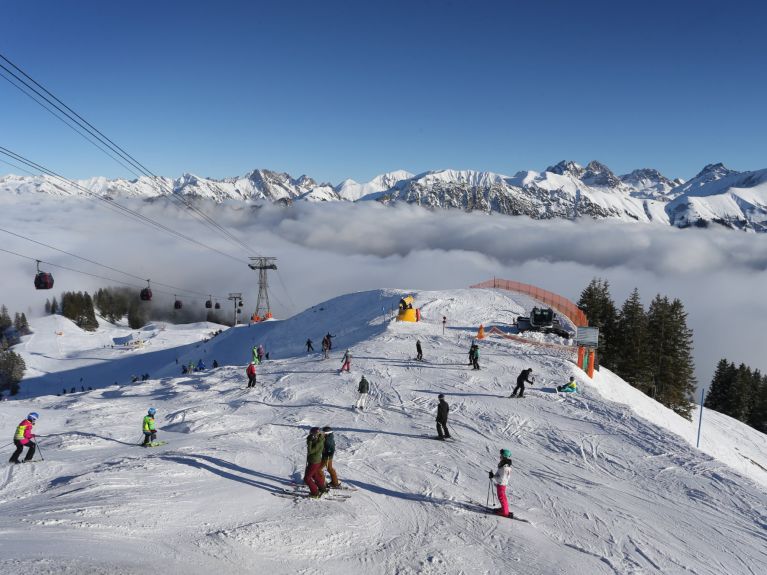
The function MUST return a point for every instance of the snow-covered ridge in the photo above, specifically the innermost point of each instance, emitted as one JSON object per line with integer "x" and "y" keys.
{"x": 717, "y": 195}
{"x": 608, "y": 478}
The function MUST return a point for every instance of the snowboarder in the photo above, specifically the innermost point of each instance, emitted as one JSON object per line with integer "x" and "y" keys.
{"x": 418, "y": 350}
{"x": 347, "y": 362}
{"x": 260, "y": 352}
{"x": 309, "y": 346}
{"x": 570, "y": 387}
{"x": 150, "y": 431}
{"x": 327, "y": 455}
{"x": 251, "y": 373}
{"x": 523, "y": 377}
{"x": 442, "y": 410}
{"x": 24, "y": 436}
{"x": 325, "y": 348}
{"x": 363, "y": 389}
{"x": 501, "y": 480}
{"x": 313, "y": 476}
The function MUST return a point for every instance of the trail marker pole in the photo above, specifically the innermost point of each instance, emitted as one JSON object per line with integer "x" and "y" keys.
{"x": 700, "y": 419}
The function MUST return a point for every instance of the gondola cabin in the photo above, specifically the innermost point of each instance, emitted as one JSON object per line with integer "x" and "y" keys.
{"x": 146, "y": 294}
{"x": 241, "y": 304}
{"x": 208, "y": 304}
{"x": 217, "y": 306}
{"x": 178, "y": 304}
{"x": 43, "y": 280}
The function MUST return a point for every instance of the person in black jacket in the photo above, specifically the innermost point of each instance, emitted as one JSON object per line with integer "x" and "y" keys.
{"x": 523, "y": 377}
{"x": 442, "y": 410}
{"x": 327, "y": 455}
{"x": 418, "y": 350}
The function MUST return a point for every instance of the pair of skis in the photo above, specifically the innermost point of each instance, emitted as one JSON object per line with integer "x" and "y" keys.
{"x": 300, "y": 491}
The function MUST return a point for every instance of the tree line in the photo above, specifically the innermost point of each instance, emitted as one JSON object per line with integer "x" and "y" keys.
{"x": 12, "y": 365}
{"x": 740, "y": 392}
{"x": 650, "y": 349}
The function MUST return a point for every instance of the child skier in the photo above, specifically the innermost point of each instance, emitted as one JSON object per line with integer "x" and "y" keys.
{"x": 363, "y": 389}
{"x": 328, "y": 451}
{"x": 24, "y": 436}
{"x": 150, "y": 431}
{"x": 251, "y": 373}
{"x": 347, "y": 361}
{"x": 313, "y": 476}
{"x": 501, "y": 480}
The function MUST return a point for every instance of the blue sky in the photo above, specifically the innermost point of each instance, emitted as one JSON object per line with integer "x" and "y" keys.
{"x": 357, "y": 88}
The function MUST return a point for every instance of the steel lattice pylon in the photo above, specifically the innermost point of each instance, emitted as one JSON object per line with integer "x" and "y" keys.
{"x": 262, "y": 265}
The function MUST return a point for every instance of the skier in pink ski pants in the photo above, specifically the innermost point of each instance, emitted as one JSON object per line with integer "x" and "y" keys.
{"x": 501, "y": 480}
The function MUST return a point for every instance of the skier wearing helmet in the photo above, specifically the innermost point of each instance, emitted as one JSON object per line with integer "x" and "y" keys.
{"x": 313, "y": 476}
{"x": 501, "y": 480}
{"x": 150, "y": 431}
{"x": 24, "y": 436}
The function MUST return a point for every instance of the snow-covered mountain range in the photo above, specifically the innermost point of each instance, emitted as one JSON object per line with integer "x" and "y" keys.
{"x": 716, "y": 195}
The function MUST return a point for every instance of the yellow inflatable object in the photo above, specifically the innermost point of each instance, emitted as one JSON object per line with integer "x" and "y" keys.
{"x": 408, "y": 314}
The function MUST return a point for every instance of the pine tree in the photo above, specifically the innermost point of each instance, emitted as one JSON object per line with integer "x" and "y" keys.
{"x": 631, "y": 351}
{"x": 89, "y": 315}
{"x": 5, "y": 319}
{"x": 11, "y": 371}
{"x": 54, "y": 306}
{"x": 757, "y": 417}
{"x": 47, "y": 306}
{"x": 21, "y": 324}
{"x": 597, "y": 303}
{"x": 739, "y": 399}
{"x": 673, "y": 365}
{"x": 721, "y": 386}
{"x": 136, "y": 314}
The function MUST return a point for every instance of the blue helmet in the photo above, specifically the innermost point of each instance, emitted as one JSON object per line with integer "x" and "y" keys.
{"x": 505, "y": 453}
{"x": 33, "y": 416}
{"x": 152, "y": 411}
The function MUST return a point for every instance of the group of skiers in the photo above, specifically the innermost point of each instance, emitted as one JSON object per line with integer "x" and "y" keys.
{"x": 320, "y": 448}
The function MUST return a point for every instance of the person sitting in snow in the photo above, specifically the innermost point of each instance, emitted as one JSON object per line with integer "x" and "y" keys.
{"x": 501, "y": 480}
{"x": 24, "y": 437}
{"x": 569, "y": 387}
{"x": 150, "y": 431}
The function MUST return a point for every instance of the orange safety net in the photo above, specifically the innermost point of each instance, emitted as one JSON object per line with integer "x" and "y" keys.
{"x": 556, "y": 301}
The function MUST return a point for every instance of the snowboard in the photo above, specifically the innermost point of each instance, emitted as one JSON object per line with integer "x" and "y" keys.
{"x": 153, "y": 444}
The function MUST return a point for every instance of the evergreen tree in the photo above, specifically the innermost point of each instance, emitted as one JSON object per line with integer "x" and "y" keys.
{"x": 721, "y": 386}
{"x": 79, "y": 308}
{"x": 136, "y": 314}
{"x": 757, "y": 417}
{"x": 597, "y": 303}
{"x": 5, "y": 319}
{"x": 47, "y": 306}
{"x": 54, "y": 306}
{"x": 739, "y": 400}
{"x": 11, "y": 371}
{"x": 673, "y": 366}
{"x": 631, "y": 350}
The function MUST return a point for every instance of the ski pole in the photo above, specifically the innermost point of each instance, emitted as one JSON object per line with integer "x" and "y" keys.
{"x": 487, "y": 499}
{"x": 40, "y": 451}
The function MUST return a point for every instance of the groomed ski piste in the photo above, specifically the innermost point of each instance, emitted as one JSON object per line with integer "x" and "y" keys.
{"x": 609, "y": 480}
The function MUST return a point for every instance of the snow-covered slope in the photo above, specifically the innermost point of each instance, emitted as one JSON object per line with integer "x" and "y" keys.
{"x": 607, "y": 478}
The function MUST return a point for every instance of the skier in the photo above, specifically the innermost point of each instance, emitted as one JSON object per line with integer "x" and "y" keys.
{"x": 347, "y": 362}
{"x": 325, "y": 348}
{"x": 570, "y": 387}
{"x": 260, "y": 352}
{"x": 200, "y": 365}
{"x": 523, "y": 377}
{"x": 251, "y": 373}
{"x": 150, "y": 431}
{"x": 215, "y": 364}
{"x": 24, "y": 436}
{"x": 313, "y": 476}
{"x": 501, "y": 480}
{"x": 184, "y": 370}
{"x": 442, "y": 410}
{"x": 474, "y": 355}
{"x": 309, "y": 346}
{"x": 327, "y": 456}
{"x": 418, "y": 350}
{"x": 363, "y": 389}
{"x": 255, "y": 355}
{"x": 330, "y": 341}
{"x": 191, "y": 367}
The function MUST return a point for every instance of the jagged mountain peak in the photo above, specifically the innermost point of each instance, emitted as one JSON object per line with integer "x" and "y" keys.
{"x": 567, "y": 167}
{"x": 715, "y": 171}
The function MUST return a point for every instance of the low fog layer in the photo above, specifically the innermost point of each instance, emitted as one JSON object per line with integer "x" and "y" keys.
{"x": 329, "y": 249}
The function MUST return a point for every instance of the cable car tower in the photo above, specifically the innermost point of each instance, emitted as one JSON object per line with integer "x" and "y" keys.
{"x": 262, "y": 265}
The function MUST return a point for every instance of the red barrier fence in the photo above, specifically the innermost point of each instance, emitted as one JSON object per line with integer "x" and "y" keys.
{"x": 558, "y": 302}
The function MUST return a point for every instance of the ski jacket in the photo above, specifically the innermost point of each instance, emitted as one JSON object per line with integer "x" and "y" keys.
{"x": 314, "y": 448}
{"x": 24, "y": 432}
{"x": 330, "y": 446}
{"x": 149, "y": 423}
{"x": 200, "y": 365}
{"x": 364, "y": 386}
{"x": 251, "y": 370}
{"x": 442, "y": 410}
{"x": 418, "y": 346}
{"x": 570, "y": 386}
{"x": 524, "y": 377}
{"x": 347, "y": 357}
{"x": 503, "y": 473}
